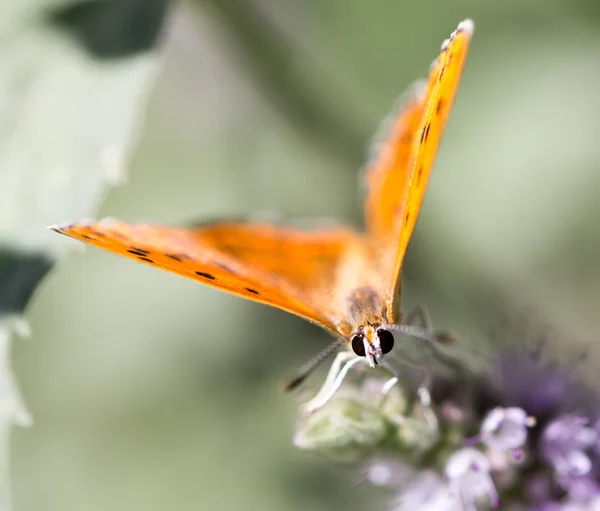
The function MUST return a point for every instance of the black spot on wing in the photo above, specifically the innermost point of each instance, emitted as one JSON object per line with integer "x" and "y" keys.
{"x": 419, "y": 175}
{"x": 145, "y": 259}
{"x": 138, "y": 253}
{"x": 440, "y": 105}
{"x": 205, "y": 275}
{"x": 253, "y": 291}
{"x": 425, "y": 133}
{"x": 442, "y": 72}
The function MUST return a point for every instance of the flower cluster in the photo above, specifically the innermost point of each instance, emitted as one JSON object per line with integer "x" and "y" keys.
{"x": 519, "y": 435}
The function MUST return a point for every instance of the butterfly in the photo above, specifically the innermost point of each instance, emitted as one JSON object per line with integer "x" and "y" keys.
{"x": 346, "y": 281}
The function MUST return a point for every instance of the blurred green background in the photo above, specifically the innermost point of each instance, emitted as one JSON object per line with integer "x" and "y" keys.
{"x": 150, "y": 392}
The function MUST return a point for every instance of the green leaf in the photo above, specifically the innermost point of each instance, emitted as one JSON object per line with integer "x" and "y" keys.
{"x": 73, "y": 84}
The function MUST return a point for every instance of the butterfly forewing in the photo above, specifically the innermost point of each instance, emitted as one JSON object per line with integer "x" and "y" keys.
{"x": 288, "y": 268}
{"x": 388, "y": 168}
{"x": 397, "y": 178}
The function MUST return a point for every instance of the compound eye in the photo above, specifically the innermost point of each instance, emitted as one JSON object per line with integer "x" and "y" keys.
{"x": 358, "y": 345}
{"x": 386, "y": 340}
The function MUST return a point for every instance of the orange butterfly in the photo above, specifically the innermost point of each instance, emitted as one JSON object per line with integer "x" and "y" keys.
{"x": 347, "y": 282}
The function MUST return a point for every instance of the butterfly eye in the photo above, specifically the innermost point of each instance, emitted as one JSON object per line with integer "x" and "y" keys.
{"x": 358, "y": 346}
{"x": 386, "y": 340}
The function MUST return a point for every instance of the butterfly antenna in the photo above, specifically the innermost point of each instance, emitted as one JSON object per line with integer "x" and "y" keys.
{"x": 310, "y": 366}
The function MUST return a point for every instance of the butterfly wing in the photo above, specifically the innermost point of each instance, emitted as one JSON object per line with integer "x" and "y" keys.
{"x": 387, "y": 173}
{"x": 287, "y": 268}
{"x": 397, "y": 177}
{"x": 310, "y": 273}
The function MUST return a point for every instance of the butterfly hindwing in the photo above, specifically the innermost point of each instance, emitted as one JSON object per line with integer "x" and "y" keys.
{"x": 288, "y": 268}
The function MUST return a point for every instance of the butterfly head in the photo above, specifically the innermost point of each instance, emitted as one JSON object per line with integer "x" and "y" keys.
{"x": 372, "y": 342}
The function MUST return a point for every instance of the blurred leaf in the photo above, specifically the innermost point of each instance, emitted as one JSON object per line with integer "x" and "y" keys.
{"x": 67, "y": 123}
{"x": 109, "y": 29}
{"x": 19, "y": 274}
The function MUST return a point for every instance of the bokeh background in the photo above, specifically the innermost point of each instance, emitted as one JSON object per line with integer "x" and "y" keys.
{"x": 150, "y": 392}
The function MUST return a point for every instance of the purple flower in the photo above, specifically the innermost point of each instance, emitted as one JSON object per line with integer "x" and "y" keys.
{"x": 505, "y": 429}
{"x": 520, "y": 435}
{"x": 426, "y": 492}
{"x": 564, "y": 445}
{"x": 469, "y": 474}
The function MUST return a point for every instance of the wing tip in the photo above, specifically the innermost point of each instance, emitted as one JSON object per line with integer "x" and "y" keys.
{"x": 467, "y": 26}
{"x": 61, "y": 228}
{"x": 55, "y": 228}
{"x": 84, "y": 222}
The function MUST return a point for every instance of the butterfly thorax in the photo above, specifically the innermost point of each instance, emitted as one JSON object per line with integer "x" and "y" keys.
{"x": 365, "y": 306}
{"x": 368, "y": 315}
{"x": 361, "y": 294}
